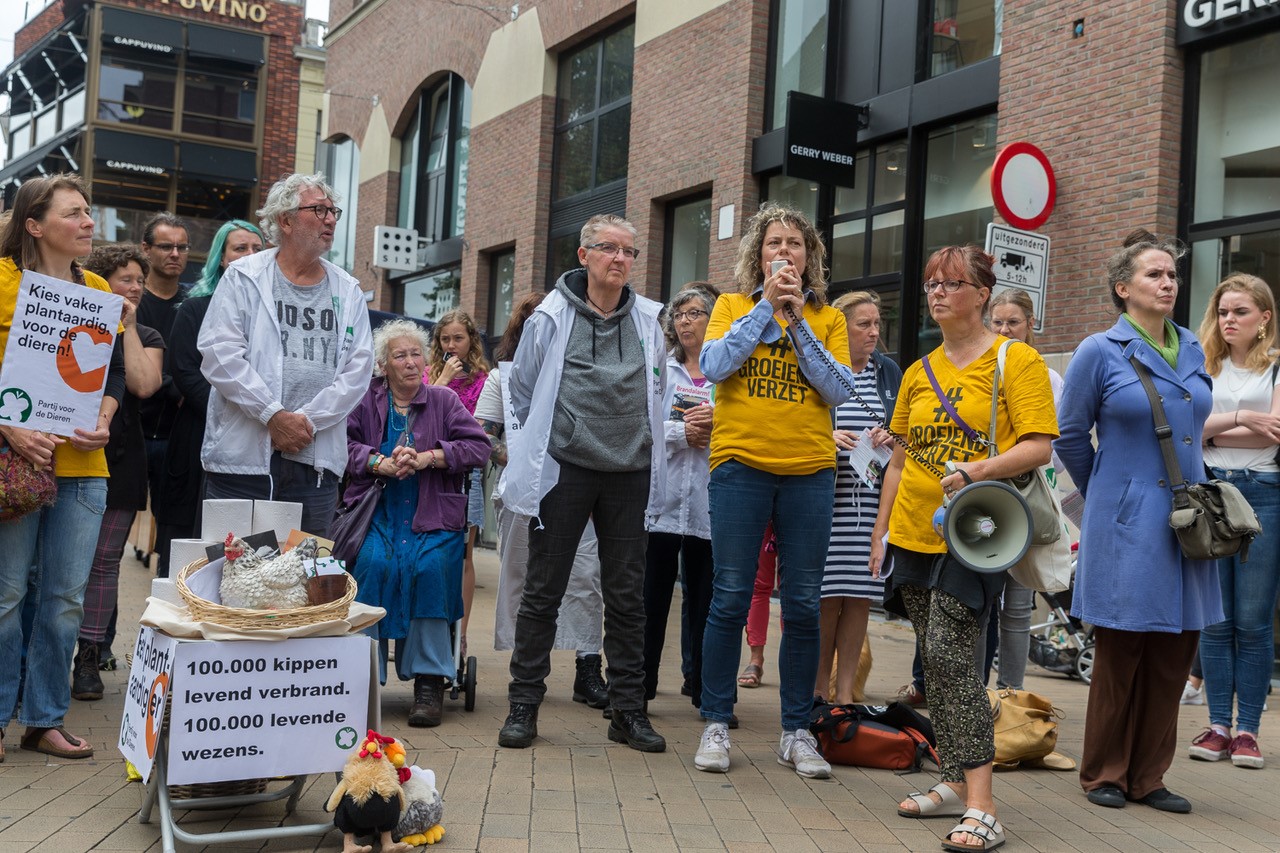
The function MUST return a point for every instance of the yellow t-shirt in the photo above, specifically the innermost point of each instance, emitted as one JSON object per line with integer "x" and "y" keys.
{"x": 1026, "y": 408}
{"x": 67, "y": 461}
{"x": 768, "y": 416}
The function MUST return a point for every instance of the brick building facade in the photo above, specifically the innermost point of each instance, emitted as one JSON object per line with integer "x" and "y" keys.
{"x": 1110, "y": 92}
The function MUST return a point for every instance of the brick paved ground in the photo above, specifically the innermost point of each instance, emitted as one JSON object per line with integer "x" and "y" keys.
{"x": 576, "y": 790}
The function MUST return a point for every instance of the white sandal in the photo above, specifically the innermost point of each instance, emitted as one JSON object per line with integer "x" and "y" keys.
{"x": 951, "y": 805}
{"x": 989, "y": 830}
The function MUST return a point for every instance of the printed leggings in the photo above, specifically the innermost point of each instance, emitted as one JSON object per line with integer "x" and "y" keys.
{"x": 947, "y": 634}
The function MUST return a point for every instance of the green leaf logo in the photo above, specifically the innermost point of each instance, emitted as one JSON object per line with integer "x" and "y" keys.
{"x": 15, "y": 405}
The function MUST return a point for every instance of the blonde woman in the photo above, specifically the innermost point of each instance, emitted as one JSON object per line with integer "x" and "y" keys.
{"x": 1239, "y": 335}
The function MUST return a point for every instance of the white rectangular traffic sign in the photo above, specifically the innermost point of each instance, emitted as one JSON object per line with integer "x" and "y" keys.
{"x": 1022, "y": 262}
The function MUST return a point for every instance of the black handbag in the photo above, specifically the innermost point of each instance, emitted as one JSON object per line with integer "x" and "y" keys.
{"x": 351, "y": 524}
{"x": 1211, "y": 519}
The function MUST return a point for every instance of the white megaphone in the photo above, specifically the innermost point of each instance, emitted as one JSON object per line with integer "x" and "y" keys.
{"x": 986, "y": 525}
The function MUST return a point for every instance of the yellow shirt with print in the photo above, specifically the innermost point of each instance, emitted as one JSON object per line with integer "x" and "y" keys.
{"x": 1026, "y": 408}
{"x": 768, "y": 416}
{"x": 67, "y": 461}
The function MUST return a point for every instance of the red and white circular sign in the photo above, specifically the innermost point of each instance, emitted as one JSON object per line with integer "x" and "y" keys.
{"x": 1023, "y": 186}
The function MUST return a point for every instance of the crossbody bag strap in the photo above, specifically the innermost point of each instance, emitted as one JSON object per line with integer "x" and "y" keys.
{"x": 1165, "y": 434}
{"x": 951, "y": 410}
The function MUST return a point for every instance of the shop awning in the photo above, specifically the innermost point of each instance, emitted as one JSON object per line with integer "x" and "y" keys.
{"x": 230, "y": 165}
{"x": 141, "y": 34}
{"x": 224, "y": 45}
{"x": 134, "y": 153}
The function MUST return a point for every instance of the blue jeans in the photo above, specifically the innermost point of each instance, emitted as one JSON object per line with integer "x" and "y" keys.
{"x": 53, "y": 549}
{"x": 1236, "y": 653}
{"x": 742, "y": 501}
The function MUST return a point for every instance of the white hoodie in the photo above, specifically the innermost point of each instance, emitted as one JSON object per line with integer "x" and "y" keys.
{"x": 242, "y": 359}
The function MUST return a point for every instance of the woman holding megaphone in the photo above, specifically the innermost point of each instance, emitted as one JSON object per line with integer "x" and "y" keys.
{"x": 943, "y": 416}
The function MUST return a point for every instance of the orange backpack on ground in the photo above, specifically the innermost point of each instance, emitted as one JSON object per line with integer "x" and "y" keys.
{"x": 895, "y": 737}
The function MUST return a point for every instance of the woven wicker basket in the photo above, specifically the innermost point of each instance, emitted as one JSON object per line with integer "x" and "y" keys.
{"x": 203, "y": 610}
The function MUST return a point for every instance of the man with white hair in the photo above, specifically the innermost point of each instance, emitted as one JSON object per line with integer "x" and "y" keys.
{"x": 288, "y": 353}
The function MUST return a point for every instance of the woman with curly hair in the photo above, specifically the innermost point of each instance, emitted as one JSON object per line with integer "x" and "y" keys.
{"x": 458, "y": 363}
{"x": 779, "y": 357}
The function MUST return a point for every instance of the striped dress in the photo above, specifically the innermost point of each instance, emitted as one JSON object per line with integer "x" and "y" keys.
{"x": 856, "y": 506}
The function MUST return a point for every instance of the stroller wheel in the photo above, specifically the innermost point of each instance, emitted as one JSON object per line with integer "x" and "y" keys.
{"x": 469, "y": 685}
{"x": 1084, "y": 663}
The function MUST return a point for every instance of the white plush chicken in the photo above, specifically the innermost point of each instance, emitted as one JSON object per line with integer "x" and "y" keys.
{"x": 424, "y": 809}
{"x": 265, "y": 583}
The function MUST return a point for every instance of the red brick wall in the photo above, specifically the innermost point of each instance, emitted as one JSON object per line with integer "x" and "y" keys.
{"x": 1107, "y": 110}
{"x": 42, "y": 24}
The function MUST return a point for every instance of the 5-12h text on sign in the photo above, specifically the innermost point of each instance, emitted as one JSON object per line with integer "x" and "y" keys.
{"x": 57, "y": 355}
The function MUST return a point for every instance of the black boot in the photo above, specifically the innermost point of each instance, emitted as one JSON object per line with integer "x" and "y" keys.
{"x": 521, "y": 726}
{"x": 589, "y": 686}
{"x": 428, "y": 701}
{"x": 633, "y": 729}
{"x": 86, "y": 684}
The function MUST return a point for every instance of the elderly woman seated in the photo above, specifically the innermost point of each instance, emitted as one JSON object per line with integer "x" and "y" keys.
{"x": 416, "y": 442}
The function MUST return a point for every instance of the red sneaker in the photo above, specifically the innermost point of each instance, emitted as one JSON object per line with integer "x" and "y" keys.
{"x": 909, "y": 694}
{"x": 1211, "y": 745}
{"x": 1245, "y": 752}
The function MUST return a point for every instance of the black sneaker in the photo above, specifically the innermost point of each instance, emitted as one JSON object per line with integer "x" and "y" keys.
{"x": 589, "y": 685}
{"x": 86, "y": 684}
{"x": 633, "y": 729}
{"x": 1166, "y": 801}
{"x": 1108, "y": 796}
{"x": 521, "y": 726}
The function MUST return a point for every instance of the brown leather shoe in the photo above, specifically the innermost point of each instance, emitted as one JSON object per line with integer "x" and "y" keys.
{"x": 428, "y": 701}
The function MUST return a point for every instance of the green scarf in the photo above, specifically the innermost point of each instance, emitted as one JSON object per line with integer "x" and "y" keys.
{"x": 1168, "y": 352}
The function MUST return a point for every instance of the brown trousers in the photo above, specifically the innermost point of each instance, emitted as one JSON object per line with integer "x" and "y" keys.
{"x": 1131, "y": 725}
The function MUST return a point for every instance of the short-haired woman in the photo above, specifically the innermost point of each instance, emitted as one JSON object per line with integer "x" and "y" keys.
{"x": 416, "y": 442}
{"x": 1239, "y": 335}
{"x": 1147, "y": 601}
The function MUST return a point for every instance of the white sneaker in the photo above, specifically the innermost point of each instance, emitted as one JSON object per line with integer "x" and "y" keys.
{"x": 799, "y": 750}
{"x": 713, "y": 749}
{"x": 1192, "y": 695}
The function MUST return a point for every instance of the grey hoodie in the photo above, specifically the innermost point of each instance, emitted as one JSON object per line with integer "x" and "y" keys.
{"x": 601, "y": 420}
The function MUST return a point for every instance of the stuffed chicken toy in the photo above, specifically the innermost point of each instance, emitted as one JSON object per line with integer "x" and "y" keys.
{"x": 423, "y": 810}
{"x": 369, "y": 799}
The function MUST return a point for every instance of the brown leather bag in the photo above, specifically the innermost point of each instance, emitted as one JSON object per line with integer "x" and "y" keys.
{"x": 1026, "y": 725}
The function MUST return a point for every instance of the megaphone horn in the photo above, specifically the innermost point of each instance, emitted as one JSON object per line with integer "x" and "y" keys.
{"x": 986, "y": 525}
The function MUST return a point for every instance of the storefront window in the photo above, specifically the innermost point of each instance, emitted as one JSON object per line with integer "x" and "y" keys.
{"x": 800, "y": 53}
{"x": 867, "y": 237}
{"x": 433, "y": 161}
{"x": 502, "y": 288}
{"x": 433, "y": 295}
{"x": 563, "y": 256}
{"x": 1257, "y": 254}
{"x": 593, "y": 114}
{"x": 689, "y": 244}
{"x": 135, "y": 92}
{"x": 964, "y": 32}
{"x": 957, "y": 195}
{"x": 220, "y": 105}
{"x": 794, "y": 192}
{"x": 343, "y": 170}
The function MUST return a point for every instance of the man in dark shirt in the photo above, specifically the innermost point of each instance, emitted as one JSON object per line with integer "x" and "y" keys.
{"x": 166, "y": 244}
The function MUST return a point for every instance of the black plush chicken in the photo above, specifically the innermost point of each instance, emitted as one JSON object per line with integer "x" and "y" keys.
{"x": 369, "y": 798}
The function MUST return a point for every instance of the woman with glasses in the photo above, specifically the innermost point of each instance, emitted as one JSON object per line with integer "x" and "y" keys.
{"x": 680, "y": 537}
{"x": 848, "y": 589}
{"x": 415, "y": 442}
{"x": 779, "y": 355}
{"x": 1147, "y": 601}
{"x": 944, "y": 415}
{"x": 182, "y": 479}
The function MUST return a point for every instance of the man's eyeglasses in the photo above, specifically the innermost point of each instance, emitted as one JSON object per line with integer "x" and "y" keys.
{"x": 614, "y": 248}
{"x": 950, "y": 285}
{"x": 693, "y": 315}
{"x": 323, "y": 210}
{"x": 167, "y": 248}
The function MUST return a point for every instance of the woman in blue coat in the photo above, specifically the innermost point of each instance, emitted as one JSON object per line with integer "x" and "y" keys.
{"x": 1132, "y": 582}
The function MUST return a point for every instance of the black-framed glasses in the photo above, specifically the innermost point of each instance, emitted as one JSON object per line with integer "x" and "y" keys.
{"x": 950, "y": 285}
{"x": 693, "y": 315}
{"x": 614, "y": 248}
{"x": 323, "y": 210}
{"x": 167, "y": 248}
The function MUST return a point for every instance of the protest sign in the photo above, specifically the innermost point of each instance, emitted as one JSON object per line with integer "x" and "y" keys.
{"x": 56, "y": 358}
{"x": 145, "y": 699}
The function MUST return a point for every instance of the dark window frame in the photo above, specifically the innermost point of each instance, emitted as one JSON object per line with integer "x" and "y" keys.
{"x": 494, "y": 258}
{"x": 668, "y": 236}
{"x": 433, "y": 217}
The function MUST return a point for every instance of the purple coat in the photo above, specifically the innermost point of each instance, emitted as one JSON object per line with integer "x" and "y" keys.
{"x": 440, "y": 422}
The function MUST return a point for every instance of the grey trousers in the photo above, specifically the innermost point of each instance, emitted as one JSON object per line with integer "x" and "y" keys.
{"x": 615, "y": 502}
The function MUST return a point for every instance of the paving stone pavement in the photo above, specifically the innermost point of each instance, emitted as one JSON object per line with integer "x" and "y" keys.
{"x": 575, "y": 790}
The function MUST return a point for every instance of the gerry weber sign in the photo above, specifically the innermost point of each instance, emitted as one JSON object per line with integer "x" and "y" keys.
{"x": 821, "y": 140}
{"x": 1201, "y": 19}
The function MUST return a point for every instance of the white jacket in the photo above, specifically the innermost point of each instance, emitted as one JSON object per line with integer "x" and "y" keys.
{"x": 682, "y": 508}
{"x": 243, "y": 361}
{"x": 531, "y": 471}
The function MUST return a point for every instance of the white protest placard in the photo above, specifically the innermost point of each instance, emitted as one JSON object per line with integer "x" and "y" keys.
{"x": 1022, "y": 262}
{"x": 243, "y": 709}
{"x": 56, "y": 358}
{"x": 145, "y": 698}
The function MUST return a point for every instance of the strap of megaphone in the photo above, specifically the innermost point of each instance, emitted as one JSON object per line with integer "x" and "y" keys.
{"x": 802, "y": 328}
{"x": 1165, "y": 434}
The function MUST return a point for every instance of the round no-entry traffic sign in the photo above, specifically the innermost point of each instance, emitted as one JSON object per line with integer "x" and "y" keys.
{"x": 1022, "y": 185}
